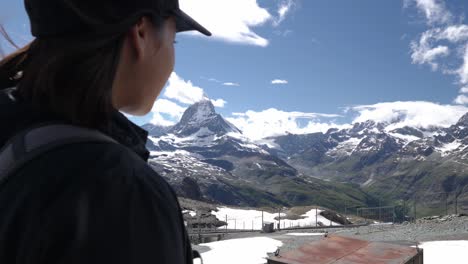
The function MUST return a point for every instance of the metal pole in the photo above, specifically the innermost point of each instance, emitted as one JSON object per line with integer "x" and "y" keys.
{"x": 235, "y": 224}
{"x": 380, "y": 211}
{"x": 226, "y": 225}
{"x": 414, "y": 207}
{"x": 199, "y": 225}
{"x": 316, "y": 223}
{"x": 279, "y": 219}
{"x": 456, "y": 204}
{"x": 262, "y": 219}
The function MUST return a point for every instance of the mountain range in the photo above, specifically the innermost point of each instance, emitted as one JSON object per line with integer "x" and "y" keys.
{"x": 207, "y": 158}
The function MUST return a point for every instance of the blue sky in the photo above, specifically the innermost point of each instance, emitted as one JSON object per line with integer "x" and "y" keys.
{"x": 343, "y": 61}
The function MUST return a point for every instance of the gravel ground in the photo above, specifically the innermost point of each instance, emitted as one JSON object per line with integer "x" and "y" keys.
{"x": 442, "y": 228}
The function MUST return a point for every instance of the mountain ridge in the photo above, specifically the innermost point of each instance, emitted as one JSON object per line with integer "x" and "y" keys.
{"x": 369, "y": 155}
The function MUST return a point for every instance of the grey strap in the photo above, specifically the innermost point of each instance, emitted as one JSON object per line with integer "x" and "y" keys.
{"x": 31, "y": 143}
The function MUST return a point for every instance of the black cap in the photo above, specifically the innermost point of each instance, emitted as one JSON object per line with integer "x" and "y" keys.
{"x": 63, "y": 17}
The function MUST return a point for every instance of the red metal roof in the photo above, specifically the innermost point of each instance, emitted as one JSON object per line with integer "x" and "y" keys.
{"x": 341, "y": 250}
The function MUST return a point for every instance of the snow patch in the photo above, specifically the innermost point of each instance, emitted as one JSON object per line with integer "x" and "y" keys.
{"x": 346, "y": 147}
{"x": 252, "y": 219}
{"x": 190, "y": 212}
{"x": 437, "y": 252}
{"x": 449, "y": 147}
{"x": 406, "y": 138}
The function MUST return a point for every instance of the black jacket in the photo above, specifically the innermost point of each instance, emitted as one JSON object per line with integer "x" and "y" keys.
{"x": 88, "y": 203}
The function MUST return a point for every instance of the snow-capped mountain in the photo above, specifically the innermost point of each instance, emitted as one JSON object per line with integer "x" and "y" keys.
{"x": 206, "y": 157}
{"x": 202, "y": 116}
{"x": 230, "y": 168}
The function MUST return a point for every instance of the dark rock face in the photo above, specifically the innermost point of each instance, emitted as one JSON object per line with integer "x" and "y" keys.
{"x": 409, "y": 131}
{"x": 335, "y": 217}
{"x": 202, "y": 115}
{"x": 190, "y": 189}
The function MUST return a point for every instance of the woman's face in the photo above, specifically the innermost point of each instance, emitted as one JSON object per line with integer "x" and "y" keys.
{"x": 147, "y": 61}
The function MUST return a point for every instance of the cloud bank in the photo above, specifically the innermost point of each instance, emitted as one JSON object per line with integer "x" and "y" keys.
{"x": 235, "y": 21}
{"x": 411, "y": 113}
{"x": 274, "y": 122}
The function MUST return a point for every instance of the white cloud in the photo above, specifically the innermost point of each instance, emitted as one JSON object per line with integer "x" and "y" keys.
{"x": 445, "y": 44}
{"x": 464, "y": 89}
{"x": 284, "y": 8}
{"x": 423, "y": 54}
{"x": 168, "y": 107}
{"x": 463, "y": 70}
{"x": 219, "y": 103}
{"x": 454, "y": 33}
{"x": 186, "y": 92}
{"x": 278, "y": 81}
{"x": 274, "y": 122}
{"x": 434, "y": 10}
{"x": 172, "y": 110}
{"x": 233, "y": 21}
{"x": 461, "y": 99}
{"x": 158, "y": 119}
{"x": 183, "y": 91}
{"x": 231, "y": 84}
{"x": 416, "y": 114}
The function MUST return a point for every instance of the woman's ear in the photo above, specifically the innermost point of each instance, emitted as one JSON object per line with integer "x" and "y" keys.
{"x": 142, "y": 38}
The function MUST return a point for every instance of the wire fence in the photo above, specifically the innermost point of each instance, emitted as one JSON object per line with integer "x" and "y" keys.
{"x": 259, "y": 220}
{"x": 438, "y": 203}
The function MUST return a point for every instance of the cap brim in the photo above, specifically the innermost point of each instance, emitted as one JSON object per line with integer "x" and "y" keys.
{"x": 185, "y": 23}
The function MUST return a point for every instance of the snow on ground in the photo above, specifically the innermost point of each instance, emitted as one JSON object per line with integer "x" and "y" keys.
{"x": 440, "y": 252}
{"x": 252, "y": 219}
{"x": 449, "y": 147}
{"x": 305, "y": 234}
{"x": 190, "y": 212}
{"x": 245, "y": 250}
{"x": 346, "y": 147}
{"x": 406, "y": 138}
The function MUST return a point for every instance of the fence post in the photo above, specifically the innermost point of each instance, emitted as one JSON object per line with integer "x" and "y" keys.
{"x": 316, "y": 220}
{"x": 279, "y": 219}
{"x": 456, "y": 204}
{"x": 414, "y": 207}
{"x": 235, "y": 224}
{"x": 446, "y": 203}
{"x": 262, "y": 220}
{"x": 199, "y": 226}
{"x": 226, "y": 225}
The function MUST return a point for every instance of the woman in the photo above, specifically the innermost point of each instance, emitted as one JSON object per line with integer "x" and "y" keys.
{"x": 96, "y": 202}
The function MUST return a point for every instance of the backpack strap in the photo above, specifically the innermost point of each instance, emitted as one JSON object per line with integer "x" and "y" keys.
{"x": 34, "y": 142}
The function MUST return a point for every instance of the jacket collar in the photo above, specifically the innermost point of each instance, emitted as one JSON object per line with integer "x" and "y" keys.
{"x": 129, "y": 134}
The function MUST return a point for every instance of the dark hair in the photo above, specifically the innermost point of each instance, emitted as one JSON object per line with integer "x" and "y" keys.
{"x": 69, "y": 76}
